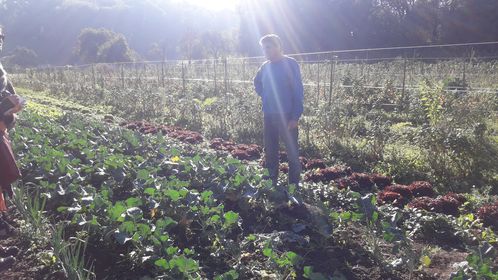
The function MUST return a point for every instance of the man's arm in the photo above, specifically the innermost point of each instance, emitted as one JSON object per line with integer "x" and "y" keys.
{"x": 298, "y": 92}
{"x": 258, "y": 82}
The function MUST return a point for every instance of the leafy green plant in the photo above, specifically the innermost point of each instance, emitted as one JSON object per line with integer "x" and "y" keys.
{"x": 479, "y": 264}
{"x": 71, "y": 255}
{"x": 31, "y": 208}
{"x": 431, "y": 95}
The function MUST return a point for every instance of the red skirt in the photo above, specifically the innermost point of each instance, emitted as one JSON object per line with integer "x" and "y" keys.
{"x": 3, "y": 205}
{"x": 8, "y": 170}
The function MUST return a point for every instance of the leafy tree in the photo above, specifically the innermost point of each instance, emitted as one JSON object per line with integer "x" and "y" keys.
{"x": 22, "y": 57}
{"x": 102, "y": 45}
{"x": 116, "y": 50}
{"x": 156, "y": 52}
{"x": 217, "y": 44}
{"x": 190, "y": 45}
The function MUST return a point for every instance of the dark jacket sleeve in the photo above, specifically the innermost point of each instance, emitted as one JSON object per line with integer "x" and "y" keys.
{"x": 258, "y": 81}
{"x": 298, "y": 92}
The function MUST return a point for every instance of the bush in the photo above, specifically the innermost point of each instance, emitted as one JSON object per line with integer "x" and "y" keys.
{"x": 381, "y": 181}
{"x": 447, "y": 204}
{"x": 394, "y": 198}
{"x": 401, "y": 189}
{"x": 363, "y": 179}
{"x": 328, "y": 174}
{"x": 421, "y": 188}
{"x": 489, "y": 215}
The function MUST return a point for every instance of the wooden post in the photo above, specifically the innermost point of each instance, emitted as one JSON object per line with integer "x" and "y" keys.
{"x": 145, "y": 72}
{"x": 102, "y": 80}
{"x": 137, "y": 79}
{"x": 243, "y": 70}
{"x": 162, "y": 73}
{"x": 215, "y": 76}
{"x": 404, "y": 79}
{"x": 206, "y": 63}
{"x": 225, "y": 74}
{"x": 93, "y": 76}
{"x": 122, "y": 76}
{"x": 363, "y": 71}
{"x": 367, "y": 75}
{"x": 332, "y": 76}
{"x": 183, "y": 78}
{"x": 318, "y": 84}
{"x": 464, "y": 75}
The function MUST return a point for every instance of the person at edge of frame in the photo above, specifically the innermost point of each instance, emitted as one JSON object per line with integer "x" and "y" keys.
{"x": 279, "y": 84}
{"x": 7, "y": 122}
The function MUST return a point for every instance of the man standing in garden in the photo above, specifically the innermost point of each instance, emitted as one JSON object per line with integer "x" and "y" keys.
{"x": 279, "y": 84}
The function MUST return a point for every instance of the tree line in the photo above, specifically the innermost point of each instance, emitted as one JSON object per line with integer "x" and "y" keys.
{"x": 322, "y": 25}
{"x": 84, "y": 31}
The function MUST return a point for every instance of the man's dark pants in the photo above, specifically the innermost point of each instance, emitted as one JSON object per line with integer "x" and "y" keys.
{"x": 275, "y": 127}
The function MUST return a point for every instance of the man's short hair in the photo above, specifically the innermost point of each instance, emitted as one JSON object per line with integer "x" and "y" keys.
{"x": 272, "y": 39}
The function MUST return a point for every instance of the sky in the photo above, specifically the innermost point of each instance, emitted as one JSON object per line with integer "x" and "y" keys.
{"x": 213, "y": 4}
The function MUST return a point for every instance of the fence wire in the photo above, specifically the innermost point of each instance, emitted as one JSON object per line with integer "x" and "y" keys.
{"x": 399, "y": 68}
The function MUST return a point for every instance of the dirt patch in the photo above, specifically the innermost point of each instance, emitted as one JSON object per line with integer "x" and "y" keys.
{"x": 27, "y": 265}
{"x": 442, "y": 263}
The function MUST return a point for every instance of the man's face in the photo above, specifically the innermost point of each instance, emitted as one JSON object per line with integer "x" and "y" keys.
{"x": 272, "y": 51}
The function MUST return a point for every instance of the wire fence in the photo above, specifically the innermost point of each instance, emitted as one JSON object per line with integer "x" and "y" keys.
{"x": 400, "y": 68}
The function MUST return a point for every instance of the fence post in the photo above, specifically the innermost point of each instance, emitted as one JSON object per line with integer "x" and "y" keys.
{"x": 146, "y": 78}
{"x": 215, "y": 61}
{"x": 367, "y": 66}
{"x": 183, "y": 78}
{"x": 102, "y": 80}
{"x": 464, "y": 76}
{"x": 122, "y": 76}
{"x": 137, "y": 75}
{"x": 332, "y": 77}
{"x": 243, "y": 70}
{"x": 318, "y": 84}
{"x": 162, "y": 73}
{"x": 471, "y": 56}
{"x": 61, "y": 75}
{"x": 206, "y": 63}
{"x": 404, "y": 77}
{"x": 93, "y": 76}
{"x": 225, "y": 74}
{"x": 363, "y": 70}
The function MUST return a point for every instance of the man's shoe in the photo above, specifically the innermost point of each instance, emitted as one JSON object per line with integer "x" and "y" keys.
{"x": 295, "y": 199}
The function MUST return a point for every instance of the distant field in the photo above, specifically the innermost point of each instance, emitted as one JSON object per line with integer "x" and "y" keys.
{"x": 395, "y": 116}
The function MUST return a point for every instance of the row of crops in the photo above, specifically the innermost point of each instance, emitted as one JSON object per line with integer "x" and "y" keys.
{"x": 129, "y": 200}
{"x": 443, "y": 131}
